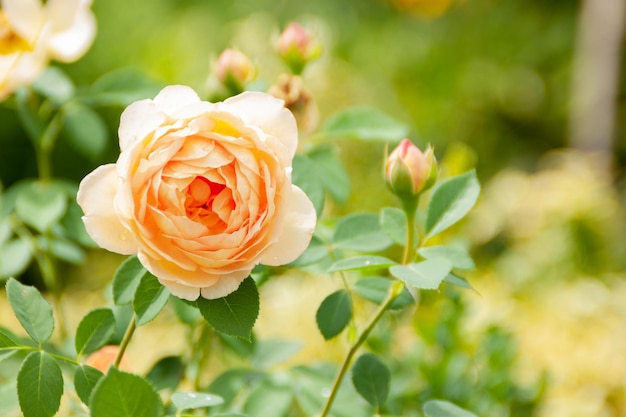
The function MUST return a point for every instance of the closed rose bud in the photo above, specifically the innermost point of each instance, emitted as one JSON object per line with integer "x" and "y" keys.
{"x": 297, "y": 47}
{"x": 234, "y": 70}
{"x": 409, "y": 171}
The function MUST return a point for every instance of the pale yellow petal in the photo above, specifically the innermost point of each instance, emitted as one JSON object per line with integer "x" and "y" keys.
{"x": 96, "y": 196}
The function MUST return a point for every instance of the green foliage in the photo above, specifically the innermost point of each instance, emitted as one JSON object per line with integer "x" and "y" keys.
{"x": 15, "y": 255}
{"x": 122, "y": 87}
{"x": 364, "y": 123}
{"x": 234, "y": 314}
{"x": 191, "y": 400}
{"x": 393, "y": 222}
{"x": 437, "y": 408}
{"x": 269, "y": 353}
{"x": 150, "y": 298}
{"x": 360, "y": 232}
{"x": 458, "y": 257}
{"x": 376, "y": 288}
{"x": 41, "y": 205}
{"x": 126, "y": 280}
{"x": 39, "y": 385}
{"x": 31, "y": 309}
{"x": 85, "y": 379}
{"x": 167, "y": 373}
{"x": 120, "y": 394}
{"x": 6, "y": 341}
{"x": 269, "y": 399}
{"x": 371, "y": 378}
{"x": 94, "y": 331}
{"x": 361, "y": 263}
{"x": 334, "y": 314}
{"x": 425, "y": 275}
{"x": 84, "y": 129}
{"x": 450, "y": 201}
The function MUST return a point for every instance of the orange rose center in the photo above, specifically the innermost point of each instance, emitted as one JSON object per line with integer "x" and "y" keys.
{"x": 201, "y": 205}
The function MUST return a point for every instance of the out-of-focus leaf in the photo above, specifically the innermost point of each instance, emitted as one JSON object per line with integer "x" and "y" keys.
{"x": 451, "y": 200}
{"x": 8, "y": 397}
{"x": 190, "y": 400}
{"x": 31, "y": 309}
{"x": 41, "y": 205}
{"x": 334, "y": 314}
{"x": 15, "y": 255}
{"x": 393, "y": 223}
{"x": 360, "y": 232}
{"x": 55, "y": 85}
{"x": 268, "y": 353}
{"x": 120, "y": 394}
{"x": 458, "y": 281}
{"x": 269, "y": 400}
{"x": 361, "y": 263}
{"x": 364, "y": 123}
{"x": 305, "y": 175}
{"x": 426, "y": 275}
{"x": 437, "y": 408}
{"x": 186, "y": 312}
{"x": 375, "y": 289}
{"x": 39, "y": 385}
{"x": 371, "y": 378}
{"x": 458, "y": 257}
{"x": 84, "y": 129}
{"x": 122, "y": 87}
{"x": 167, "y": 373}
{"x": 62, "y": 249}
{"x": 234, "y": 314}
{"x": 331, "y": 172}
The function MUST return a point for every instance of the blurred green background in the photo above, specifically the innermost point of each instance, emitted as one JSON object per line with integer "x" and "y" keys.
{"x": 487, "y": 82}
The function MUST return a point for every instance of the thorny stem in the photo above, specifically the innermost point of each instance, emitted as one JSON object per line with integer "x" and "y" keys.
{"x": 125, "y": 341}
{"x": 394, "y": 291}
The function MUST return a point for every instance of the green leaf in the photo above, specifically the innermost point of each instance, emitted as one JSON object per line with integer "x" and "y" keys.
{"x": 6, "y": 342}
{"x": 39, "y": 385}
{"x": 437, "y": 408}
{"x": 31, "y": 309}
{"x": 62, "y": 249}
{"x": 167, "y": 373}
{"x": 120, "y": 394}
{"x": 28, "y": 115}
{"x": 185, "y": 311}
{"x": 393, "y": 223}
{"x": 458, "y": 257}
{"x": 122, "y": 87}
{"x": 451, "y": 200}
{"x": 364, "y": 123}
{"x": 150, "y": 298}
{"x": 334, "y": 313}
{"x": 371, "y": 378}
{"x": 189, "y": 400}
{"x": 269, "y": 353}
{"x": 234, "y": 314}
{"x": 426, "y": 275}
{"x": 331, "y": 172}
{"x": 8, "y": 398}
{"x": 84, "y": 130}
{"x": 315, "y": 252}
{"x": 305, "y": 175}
{"x": 54, "y": 84}
{"x": 458, "y": 281}
{"x": 5, "y": 225}
{"x": 94, "y": 330}
{"x": 126, "y": 280}
{"x": 41, "y": 205}
{"x": 360, "y": 232}
{"x": 85, "y": 379}
{"x": 375, "y": 289}
{"x": 361, "y": 263}
{"x": 15, "y": 256}
{"x": 269, "y": 400}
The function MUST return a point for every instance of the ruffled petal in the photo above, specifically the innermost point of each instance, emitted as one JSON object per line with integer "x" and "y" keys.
{"x": 139, "y": 120}
{"x": 269, "y": 114}
{"x": 226, "y": 285}
{"x": 96, "y": 195}
{"x": 295, "y": 236}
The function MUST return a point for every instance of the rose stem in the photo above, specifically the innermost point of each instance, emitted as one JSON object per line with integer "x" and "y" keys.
{"x": 125, "y": 341}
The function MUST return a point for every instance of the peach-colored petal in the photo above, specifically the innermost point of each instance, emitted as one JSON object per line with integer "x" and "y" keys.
{"x": 298, "y": 226}
{"x": 182, "y": 291}
{"x": 139, "y": 120}
{"x": 96, "y": 195}
{"x": 225, "y": 286}
{"x": 175, "y": 97}
{"x": 270, "y": 115}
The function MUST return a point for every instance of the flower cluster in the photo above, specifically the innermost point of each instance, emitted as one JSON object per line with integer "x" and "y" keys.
{"x": 32, "y": 33}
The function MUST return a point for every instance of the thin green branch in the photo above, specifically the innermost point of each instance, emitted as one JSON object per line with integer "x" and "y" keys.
{"x": 125, "y": 341}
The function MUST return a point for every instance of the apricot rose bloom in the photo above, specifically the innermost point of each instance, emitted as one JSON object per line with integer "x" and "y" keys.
{"x": 201, "y": 191}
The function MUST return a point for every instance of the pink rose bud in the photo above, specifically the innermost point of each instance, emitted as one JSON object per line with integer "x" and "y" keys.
{"x": 297, "y": 47}
{"x": 408, "y": 171}
{"x": 234, "y": 69}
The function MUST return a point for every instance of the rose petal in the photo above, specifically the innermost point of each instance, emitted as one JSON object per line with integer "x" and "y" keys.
{"x": 69, "y": 45}
{"x": 139, "y": 120}
{"x": 297, "y": 230}
{"x": 175, "y": 97}
{"x": 26, "y": 16}
{"x": 269, "y": 114}
{"x": 96, "y": 195}
{"x": 182, "y": 291}
{"x": 226, "y": 285}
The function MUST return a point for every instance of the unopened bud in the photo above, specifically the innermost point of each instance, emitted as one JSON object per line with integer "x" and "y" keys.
{"x": 297, "y": 47}
{"x": 409, "y": 171}
{"x": 298, "y": 99}
{"x": 234, "y": 69}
